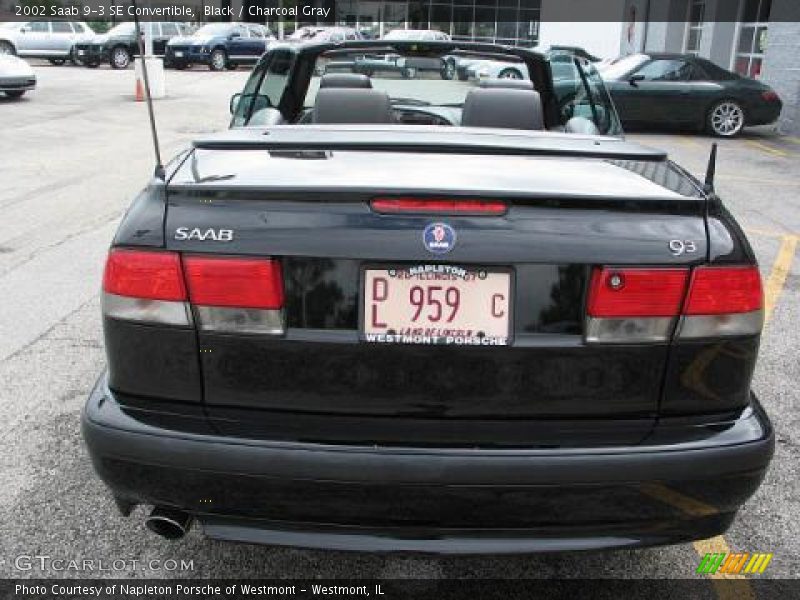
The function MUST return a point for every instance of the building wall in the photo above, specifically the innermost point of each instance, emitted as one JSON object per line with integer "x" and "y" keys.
{"x": 665, "y": 27}
{"x": 599, "y": 38}
{"x": 782, "y": 71}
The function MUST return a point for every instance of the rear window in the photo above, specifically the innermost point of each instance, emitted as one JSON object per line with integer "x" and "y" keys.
{"x": 411, "y": 79}
{"x": 716, "y": 73}
{"x": 431, "y": 89}
{"x": 213, "y": 29}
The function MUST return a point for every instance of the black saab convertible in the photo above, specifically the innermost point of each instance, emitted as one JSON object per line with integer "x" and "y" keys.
{"x": 423, "y": 315}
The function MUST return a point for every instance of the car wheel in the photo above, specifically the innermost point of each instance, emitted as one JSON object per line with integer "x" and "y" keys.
{"x": 217, "y": 60}
{"x": 408, "y": 72}
{"x": 120, "y": 58}
{"x": 509, "y": 74}
{"x": 726, "y": 118}
{"x": 15, "y": 93}
{"x": 448, "y": 70}
{"x": 7, "y": 48}
{"x": 57, "y": 61}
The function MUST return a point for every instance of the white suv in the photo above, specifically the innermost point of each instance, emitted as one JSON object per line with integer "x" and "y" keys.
{"x": 53, "y": 40}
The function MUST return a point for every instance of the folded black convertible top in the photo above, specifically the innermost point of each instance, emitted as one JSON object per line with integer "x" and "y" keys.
{"x": 426, "y": 138}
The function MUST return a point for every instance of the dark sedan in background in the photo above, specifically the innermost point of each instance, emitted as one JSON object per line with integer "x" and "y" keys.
{"x": 119, "y": 45}
{"x": 685, "y": 91}
{"x": 220, "y": 46}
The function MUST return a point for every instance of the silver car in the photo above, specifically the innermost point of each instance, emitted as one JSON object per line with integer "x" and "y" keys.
{"x": 52, "y": 40}
{"x": 16, "y": 76}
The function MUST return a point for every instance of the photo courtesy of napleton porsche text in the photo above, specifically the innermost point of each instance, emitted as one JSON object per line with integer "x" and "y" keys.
{"x": 399, "y": 298}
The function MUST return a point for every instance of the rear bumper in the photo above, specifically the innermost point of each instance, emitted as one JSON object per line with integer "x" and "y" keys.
{"x": 90, "y": 54}
{"x": 432, "y": 500}
{"x": 21, "y": 83}
{"x": 187, "y": 55}
{"x": 764, "y": 113}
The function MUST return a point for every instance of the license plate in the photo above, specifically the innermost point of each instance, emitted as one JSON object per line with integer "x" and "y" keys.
{"x": 179, "y": 55}
{"x": 81, "y": 52}
{"x": 436, "y": 304}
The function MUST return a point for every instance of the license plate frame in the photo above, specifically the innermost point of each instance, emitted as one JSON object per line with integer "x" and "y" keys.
{"x": 389, "y": 266}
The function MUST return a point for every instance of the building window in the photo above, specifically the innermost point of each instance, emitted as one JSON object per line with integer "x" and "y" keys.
{"x": 514, "y": 22}
{"x": 752, "y": 42}
{"x": 694, "y": 26}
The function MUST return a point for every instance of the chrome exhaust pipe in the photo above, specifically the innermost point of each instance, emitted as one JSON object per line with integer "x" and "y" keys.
{"x": 169, "y": 523}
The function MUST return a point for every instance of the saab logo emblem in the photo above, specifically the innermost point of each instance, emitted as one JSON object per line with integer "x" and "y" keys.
{"x": 734, "y": 564}
{"x": 215, "y": 235}
{"x": 439, "y": 238}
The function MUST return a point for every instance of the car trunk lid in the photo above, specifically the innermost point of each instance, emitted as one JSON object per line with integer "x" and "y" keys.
{"x": 311, "y": 210}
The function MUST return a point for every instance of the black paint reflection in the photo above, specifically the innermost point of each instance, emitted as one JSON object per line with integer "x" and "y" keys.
{"x": 550, "y": 298}
{"x": 321, "y": 293}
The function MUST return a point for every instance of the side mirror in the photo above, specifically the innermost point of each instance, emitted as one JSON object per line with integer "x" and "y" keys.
{"x": 25, "y": 29}
{"x": 635, "y": 79}
{"x": 234, "y": 104}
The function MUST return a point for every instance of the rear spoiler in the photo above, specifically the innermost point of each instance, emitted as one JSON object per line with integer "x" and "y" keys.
{"x": 430, "y": 139}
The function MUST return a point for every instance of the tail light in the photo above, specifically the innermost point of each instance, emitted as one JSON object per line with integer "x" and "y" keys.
{"x": 769, "y": 95}
{"x": 144, "y": 274}
{"x": 645, "y": 305}
{"x": 723, "y": 301}
{"x": 637, "y": 292}
{"x": 230, "y": 294}
{"x": 724, "y": 290}
{"x": 234, "y": 282}
{"x": 442, "y": 206}
{"x": 147, "y": 286}
{"x": 233, "y": 294}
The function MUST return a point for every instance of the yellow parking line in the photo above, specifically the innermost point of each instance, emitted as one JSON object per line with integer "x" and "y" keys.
{"x": 689, "y": 141}
{"x": 791, "y": 138}
{"x": 777, "y": 276}
{"x": 717, "y": 544}
{"x": 767, "y": 149}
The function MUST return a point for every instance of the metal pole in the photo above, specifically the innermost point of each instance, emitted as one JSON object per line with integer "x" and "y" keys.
{"x": 159, "y": 171}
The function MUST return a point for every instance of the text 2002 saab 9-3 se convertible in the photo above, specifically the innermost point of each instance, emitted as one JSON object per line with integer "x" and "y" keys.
{"x": 423, "y": 315}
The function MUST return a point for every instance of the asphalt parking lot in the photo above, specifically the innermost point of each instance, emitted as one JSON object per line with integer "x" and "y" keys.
{"x": 74, "y": 153}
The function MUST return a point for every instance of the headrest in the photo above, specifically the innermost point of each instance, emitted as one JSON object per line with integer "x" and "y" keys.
{"x": 349, "y": 105}
{"x": 345, "y": 80}
{"x": 505, "y": 108}
{"x": 516, "y": 84}
{"x": 581, "y": 125}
